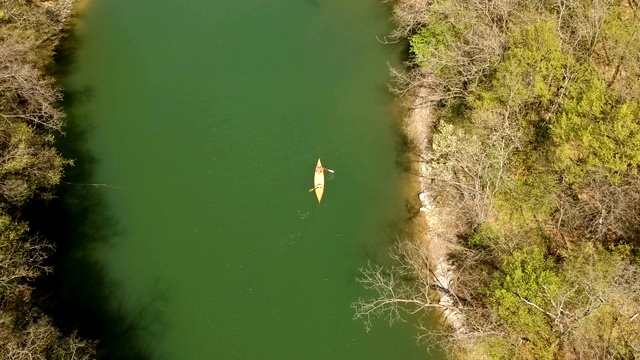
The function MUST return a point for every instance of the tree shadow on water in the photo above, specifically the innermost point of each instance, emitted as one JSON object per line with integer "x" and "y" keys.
{"x": 78, "y": 294}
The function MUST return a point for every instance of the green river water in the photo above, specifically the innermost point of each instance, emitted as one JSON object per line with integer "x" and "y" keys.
{"x": 203, "y": 121}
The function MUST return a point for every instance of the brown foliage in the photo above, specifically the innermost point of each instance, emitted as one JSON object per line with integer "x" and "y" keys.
{"x": 451, "y": 72}
{"x": 493, "y": 163}
{"x": 37, "y": 23}
{"x": 29, "y": 165}
{"x": 26, "y": 334}
{"x": 21, "y": 257}
{"x": 602, "y": 210}
{"x": 27, "y": 95}
{"x": 409, "y": 15}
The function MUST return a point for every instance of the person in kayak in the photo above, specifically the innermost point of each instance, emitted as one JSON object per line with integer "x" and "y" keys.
{"x": 320, "y": 168}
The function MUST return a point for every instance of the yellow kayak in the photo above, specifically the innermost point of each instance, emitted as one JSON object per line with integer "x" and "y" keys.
{"x": 318, "y": 181}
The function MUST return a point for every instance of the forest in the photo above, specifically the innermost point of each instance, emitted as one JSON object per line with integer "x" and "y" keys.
{"x": 532, "y": 165}
{"x": 30, "y": 168}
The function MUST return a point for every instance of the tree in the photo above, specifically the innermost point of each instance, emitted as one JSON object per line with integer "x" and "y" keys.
{"x": 602, "y": 297}
{"x": 600, "y": 210}
{"x": 452, "y": 50}
{"x": 38, "y": 24}
{"x": 406, "y": 288}
{"x": 21, "y": 256}
{"x": 469, "y": 169}
{"x": 25, "y": 332}
{"x": 618, "y": 53}
{"x": 534, "y": 167}
{"x": 521, "y": 299}
{"x": 583, "y": 307}
{"x": 29, "y": 165}
{"x": 36, "y": 338}
{"x": 595, "y": 129}
{"x": 27, "y": 95}
{"x": 409, "y": 15}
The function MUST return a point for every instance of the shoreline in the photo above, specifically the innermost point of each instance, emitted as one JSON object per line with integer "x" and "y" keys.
{"x": 427, "y": 228}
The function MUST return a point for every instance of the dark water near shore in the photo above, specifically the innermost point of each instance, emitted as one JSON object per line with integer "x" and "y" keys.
{"x": 202, "y": 122}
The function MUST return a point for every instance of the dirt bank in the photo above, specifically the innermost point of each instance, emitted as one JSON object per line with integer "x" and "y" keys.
{"x": 428, "y": 228}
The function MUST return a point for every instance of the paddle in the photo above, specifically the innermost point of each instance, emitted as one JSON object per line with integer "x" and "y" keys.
{"x": 315, "y": 187}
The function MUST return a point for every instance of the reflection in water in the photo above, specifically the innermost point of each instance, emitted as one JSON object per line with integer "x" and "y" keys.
{"x": 78, "y": 294}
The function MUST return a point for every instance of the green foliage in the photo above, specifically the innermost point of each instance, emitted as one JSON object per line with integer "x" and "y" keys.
{"x": 604, "y": 296}
{"x": 532, "y": 68}
{"x": 431, "y": 40}
{"x": 523, "y": 88}
{"x": 453, "y": 111}
{"x": 594, "y": 130}
{"x": 12, "y": 251}
{"x": 483, "y": 237}
{"x": 593, "y": 264}
{"x": 539, "y": 149}
{"x": 546, "y": 306}
{"x": 618, "y": 53}
{"x": 530, "y": 199}
{"x": 28, "y": 163}
{"x": 517, "y": 297}
{"x": 35, "y": 23}
{"x": 497, "y": 348}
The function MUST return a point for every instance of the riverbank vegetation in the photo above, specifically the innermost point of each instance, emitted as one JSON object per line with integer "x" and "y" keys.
{"x": 30, "y": 168}
{"x": 532, "y": 165}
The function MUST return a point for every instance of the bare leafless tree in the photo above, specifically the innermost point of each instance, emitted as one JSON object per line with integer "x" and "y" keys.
{"x": 21, "y": 256}
{"x": 27, "y": 95}
{"x": 409, "y": 15}
{"x": 467, "y": 170}
{"x": 600, "y": 209}
{"x": 40, "y": 340}
{"x": 407, "y": 288}
{"x": 449, "y": 72}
